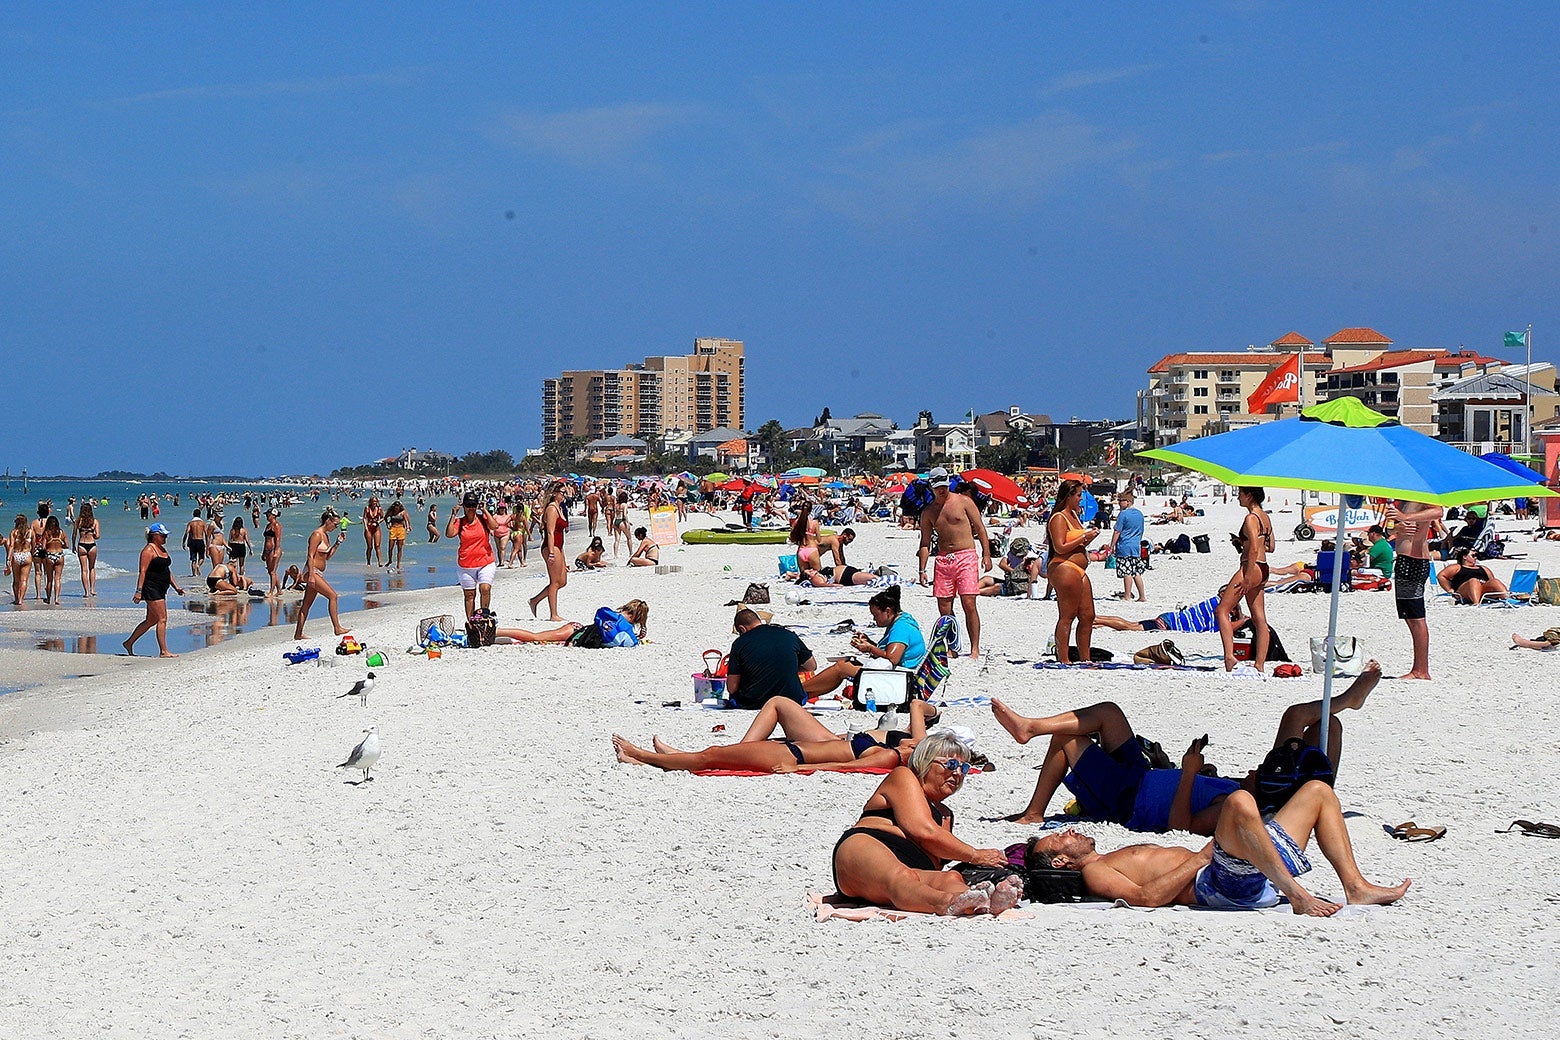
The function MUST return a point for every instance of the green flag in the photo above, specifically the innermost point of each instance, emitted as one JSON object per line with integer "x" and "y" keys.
{"x": 1516, "y": 339}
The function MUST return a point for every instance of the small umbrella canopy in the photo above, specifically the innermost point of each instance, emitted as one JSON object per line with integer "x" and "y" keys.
{"x": 732, "y": 484}
{"x": 1082, "y": 478}
{"x": 1346, "y": 448}
{"x": 805, "y": 471}
{"x": 835, "y": 485}
{"x": 716, "y": 478}
{"x": 689, "y": 477}
{"x": 796, "y": 478}
{"x": 895, "y": 489}
{"x": 998, "y": 486}
{"x": 1506, "y": 462}
{"x": 901, "y": 478}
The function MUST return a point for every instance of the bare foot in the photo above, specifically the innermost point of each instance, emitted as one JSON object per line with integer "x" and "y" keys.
{"x": 167, "y": 654}
{"x": 1310, "y": 906}
{"x": 626, "y": 752}
{"x": 557, "y": 619}
{"x": 1376, "y": 895}
{"x": 663, "y": 748}
{"x": 343, "y": 631}
{"x": 1359, "y": 689}
{"x": 1006, "y": 895}
{"x": 1016, "y": 725}
{"x": 1025, "y": 817}
{"x": 128, "y": 649}
{"x": 1415, "y": 675}
{"x": 968, "y": 903}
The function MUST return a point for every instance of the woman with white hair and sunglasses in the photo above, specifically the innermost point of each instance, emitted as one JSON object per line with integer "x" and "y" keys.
{"x": 893, "y": 855}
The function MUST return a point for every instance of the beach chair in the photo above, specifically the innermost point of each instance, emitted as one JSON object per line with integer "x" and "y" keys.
{"x": 940, "y": 649}
{"x": 1524, "y": 582}
{"x": 1433, "y": 590}
{"x": 1324, "y": 571}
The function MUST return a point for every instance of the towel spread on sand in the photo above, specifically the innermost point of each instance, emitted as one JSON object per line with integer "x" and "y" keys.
{"x": 838, "y": 906}
{"x": 1126, "y": 666}
{"x": 804, "y": 771}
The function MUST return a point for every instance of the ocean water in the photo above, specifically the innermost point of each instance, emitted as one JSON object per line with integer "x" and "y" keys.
{"x": 201, "y": 622}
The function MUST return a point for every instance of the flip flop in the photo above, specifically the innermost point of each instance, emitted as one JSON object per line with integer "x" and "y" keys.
{"x": 1411, "y": 831}
{"x": 1533, "y": 830}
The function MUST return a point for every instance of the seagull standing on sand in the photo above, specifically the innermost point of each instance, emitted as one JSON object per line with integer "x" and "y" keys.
{"x": 365, "y": 754}
{"x": 363, "y": 687}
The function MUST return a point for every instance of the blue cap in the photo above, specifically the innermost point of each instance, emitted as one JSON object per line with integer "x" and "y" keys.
{"x": 157, "y": 529}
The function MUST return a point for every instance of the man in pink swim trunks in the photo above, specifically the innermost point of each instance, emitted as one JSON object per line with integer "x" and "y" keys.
{"x": 957, "y": 524}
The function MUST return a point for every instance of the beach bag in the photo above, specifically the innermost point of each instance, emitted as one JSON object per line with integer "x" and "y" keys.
{"x": 1181, "y": 543}
{"x": 615, "y": 629}
{"x": 1347, "y": 659}
{"x": 588, "y": 637}
{"x": 788, "y": 564}
{"x": 1547, "y": 591}
{"x": 1201, "y": 543}
{"x": 436, "y": 631}
{"x": 1287, "y": 768}
{"x": 1164, "y": 653}
{"x": 481, "y": 628}
{"x": 916, "y": 497}
{"x": 1042, "y": 883}
{"x": 757, "y": 592}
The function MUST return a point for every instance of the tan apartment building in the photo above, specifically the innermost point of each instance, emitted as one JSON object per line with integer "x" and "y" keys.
{"x": 1398, "y": 383}
{"x": 694, "y": 392}
{"x": 1199, "y": 392}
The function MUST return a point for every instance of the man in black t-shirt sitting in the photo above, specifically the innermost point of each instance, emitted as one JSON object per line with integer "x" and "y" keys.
{"x": 764, "y": 662}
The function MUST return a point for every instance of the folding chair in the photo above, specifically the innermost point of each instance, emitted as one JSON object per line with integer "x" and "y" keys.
{"x": 1524, "y": 582}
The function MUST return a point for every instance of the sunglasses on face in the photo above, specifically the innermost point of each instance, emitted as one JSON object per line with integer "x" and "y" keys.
{"x": 953, "y": 765}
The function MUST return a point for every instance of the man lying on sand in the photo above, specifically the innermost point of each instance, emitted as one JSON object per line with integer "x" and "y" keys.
{"x": 1114, "y": 781}
{"x": 1248, "y": 865}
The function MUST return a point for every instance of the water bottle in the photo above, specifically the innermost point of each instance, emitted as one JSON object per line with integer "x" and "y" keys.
{"x": 871, "y": 701}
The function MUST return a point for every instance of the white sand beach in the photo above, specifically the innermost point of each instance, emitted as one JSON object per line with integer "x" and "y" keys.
{"x": 184, "y": 859}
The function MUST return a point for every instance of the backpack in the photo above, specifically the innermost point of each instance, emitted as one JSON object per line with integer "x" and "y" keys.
{"x": 481, "y": 628}
{"x": 1181, "y": 543}
{"x": 1286, "y": 769}
{"x": 588, "y": 637}
{"x": 916, "y": 497}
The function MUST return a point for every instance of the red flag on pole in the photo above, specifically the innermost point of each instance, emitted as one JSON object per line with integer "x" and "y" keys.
{"x": 1281, "y": 385}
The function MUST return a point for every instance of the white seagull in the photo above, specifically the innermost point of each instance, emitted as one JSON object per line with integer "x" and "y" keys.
{"x": 363, "y": 687}
{"x": 365, "y": 754}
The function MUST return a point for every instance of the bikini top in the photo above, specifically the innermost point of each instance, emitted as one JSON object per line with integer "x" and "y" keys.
{"x": 940, "y": 813}
{"x": 1263, "y": 528}
{"x": 1072, "y": 525}
{"x": 861, "y": 743}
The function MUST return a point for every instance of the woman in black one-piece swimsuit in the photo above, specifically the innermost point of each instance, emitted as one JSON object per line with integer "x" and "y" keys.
{"x": 152, "y": 585}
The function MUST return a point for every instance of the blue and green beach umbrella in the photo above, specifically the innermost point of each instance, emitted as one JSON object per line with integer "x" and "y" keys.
{"x": 1346, "y": 448}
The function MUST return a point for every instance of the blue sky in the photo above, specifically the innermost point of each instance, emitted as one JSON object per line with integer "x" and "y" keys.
{"x": 277, "y": 238}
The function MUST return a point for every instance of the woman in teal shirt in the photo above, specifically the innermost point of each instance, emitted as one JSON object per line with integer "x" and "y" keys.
{"x": 902, "y": 644}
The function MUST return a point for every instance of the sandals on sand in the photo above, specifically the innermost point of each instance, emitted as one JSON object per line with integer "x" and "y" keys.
{"x": 1533, "y": 830}
{"x": 1411, "y": 831}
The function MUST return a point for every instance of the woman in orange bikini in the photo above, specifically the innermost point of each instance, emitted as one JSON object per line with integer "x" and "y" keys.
{"x": 1254, "y": 540}
{"x": 1068, "y": 572}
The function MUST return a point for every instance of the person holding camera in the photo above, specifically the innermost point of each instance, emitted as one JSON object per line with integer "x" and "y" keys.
{"x": 474, "y": 559}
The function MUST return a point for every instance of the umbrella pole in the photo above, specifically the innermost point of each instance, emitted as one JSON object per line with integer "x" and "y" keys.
{"x": 1332, "y": 621}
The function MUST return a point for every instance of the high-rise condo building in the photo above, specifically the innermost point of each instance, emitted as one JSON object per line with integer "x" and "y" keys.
{"x": 695, "y": 392}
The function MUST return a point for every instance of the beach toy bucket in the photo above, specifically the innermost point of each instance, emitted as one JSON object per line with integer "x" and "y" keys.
{"x": 376, "y": 660}
{"x": 434, "y": 653}
{"x": 708, "y": 688}
{"x": 712, "y": 659}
